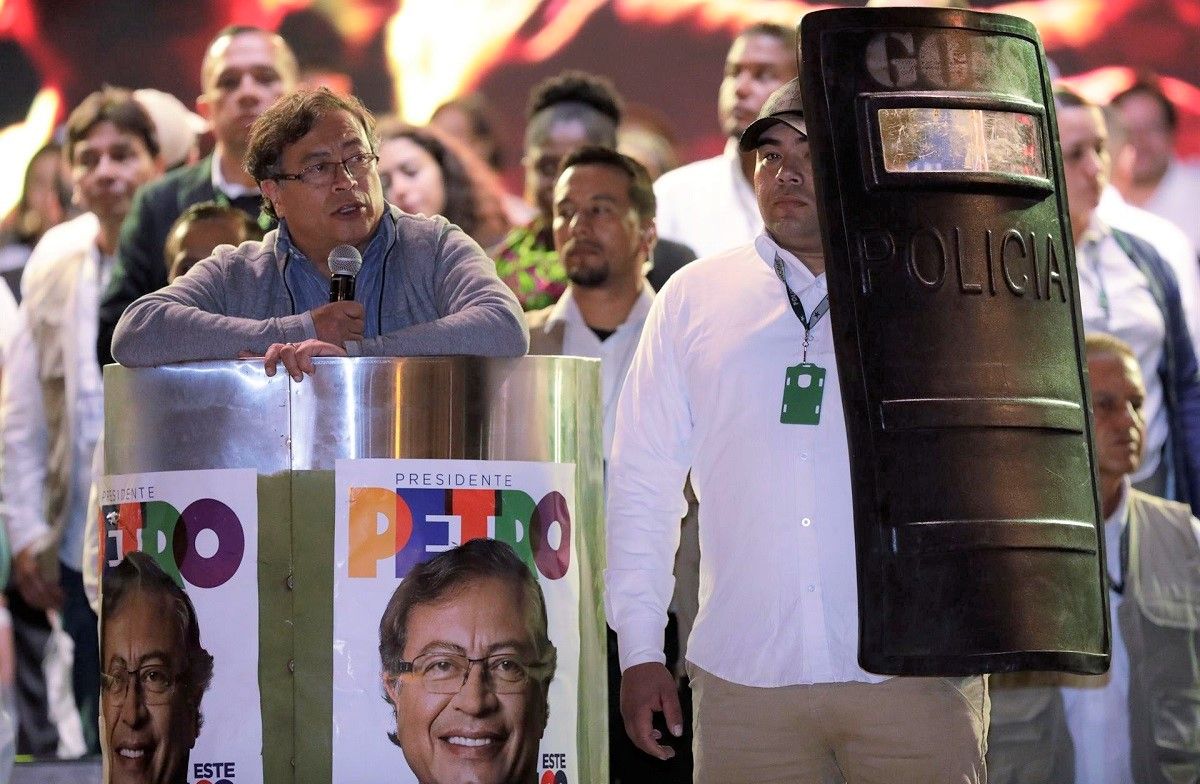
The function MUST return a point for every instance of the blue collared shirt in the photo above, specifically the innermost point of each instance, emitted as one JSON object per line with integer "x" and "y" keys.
{"x": 310, "y": 289}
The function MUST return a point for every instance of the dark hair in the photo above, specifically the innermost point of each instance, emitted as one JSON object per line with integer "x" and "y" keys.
{"x": 1068, "y": 98}
{"x": 462, "y": 200}
{"x": 479, "y": 113}
{"x": 138, "y": 573}
{"x": 26, "y": 224}
{"x": 442, "y": 576}
{"x": 113, "y": 105}
{"x": 1149, "y": 86}
{"x": 314, "y": 38}
{"x": 575, "y": 95}
{"x": 641, "y": 189}
{"x": 785, "y": 35}
{"x": 288, "y": 120}
{"x": 209, "y": 210}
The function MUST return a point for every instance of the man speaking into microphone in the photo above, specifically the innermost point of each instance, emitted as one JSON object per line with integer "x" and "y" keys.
{"x": 418, "y": 286}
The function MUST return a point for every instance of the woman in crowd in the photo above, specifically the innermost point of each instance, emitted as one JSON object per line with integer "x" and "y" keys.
{"x": 45, "y": 200}
{"x": 426, "y": 172}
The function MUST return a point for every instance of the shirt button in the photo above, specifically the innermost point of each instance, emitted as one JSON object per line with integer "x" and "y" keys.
{"x": 806, "y": 522}
{"x": 812, "y": 588}
{"x": 803, "y": 454}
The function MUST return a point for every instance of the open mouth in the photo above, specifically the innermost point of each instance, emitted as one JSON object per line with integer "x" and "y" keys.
{"x": 353, "y": 208}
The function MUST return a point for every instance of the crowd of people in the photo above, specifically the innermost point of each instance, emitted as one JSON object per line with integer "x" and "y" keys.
{"x": 129, "y": 245}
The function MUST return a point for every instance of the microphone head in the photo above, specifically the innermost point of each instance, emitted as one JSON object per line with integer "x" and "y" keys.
{"x": 345, "y": 260}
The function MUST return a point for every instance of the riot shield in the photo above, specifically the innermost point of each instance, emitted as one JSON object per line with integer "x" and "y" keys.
{"x": 958, "y": 333}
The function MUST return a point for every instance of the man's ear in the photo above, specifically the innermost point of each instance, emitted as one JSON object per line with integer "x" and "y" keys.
{"x": 391, "y": 685}
{"x": 197, "y": 721}
{"x": 203, "y": 106}
{"x": 649, "y": 238}
{"x": 270, "y": 189}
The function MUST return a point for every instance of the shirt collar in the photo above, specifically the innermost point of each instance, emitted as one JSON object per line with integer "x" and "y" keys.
{"x": 1114, "y": 526}
{"x": 733, "y": 152}
{"x": 1119, "y": 514}
{"x": 567, "y": 312}
{"x": 232, "y": 190}
{"x": 375, "y": 248}
{"x": 1097, "y": 231}
{"x": 768, "y": 248}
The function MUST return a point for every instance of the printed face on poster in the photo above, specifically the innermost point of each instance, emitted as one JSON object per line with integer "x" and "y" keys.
{"x": 445, "y": 666}
{"x": 179, "y": 627}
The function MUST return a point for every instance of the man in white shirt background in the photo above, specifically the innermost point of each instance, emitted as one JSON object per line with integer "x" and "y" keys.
{"x": 778, "y": 693}
{"x": 1167, "y": 238}
{"x": 1128, "y": 290}
{"x": 603, "y": 224}
{"x": 51, "y": 400}
{"x": 1147, "y": 171}
{"x": 709, "y": 205}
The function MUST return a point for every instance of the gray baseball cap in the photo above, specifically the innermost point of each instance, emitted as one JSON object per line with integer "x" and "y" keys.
{"x": 784, "y": 106}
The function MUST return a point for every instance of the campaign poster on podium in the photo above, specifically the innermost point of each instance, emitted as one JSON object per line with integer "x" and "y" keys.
{"x": 467, "y": 688}
{"x": 179, "y": 626}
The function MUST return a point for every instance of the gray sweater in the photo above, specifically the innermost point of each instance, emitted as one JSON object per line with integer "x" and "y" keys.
{"x": 441, "y": 296}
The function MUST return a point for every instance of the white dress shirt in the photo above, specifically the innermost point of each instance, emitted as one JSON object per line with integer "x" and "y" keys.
{"x": 1170, "y": 242}
{"x": 708, "y": 205}
{"x": 8, "y": 320}
{"x": 232, "y": 190}
{"x": 1115, "y": 298}
{"x": 778, "y": 587}
{"x": 1177, "y": 198}
{"x": 615, "y": 353}
{"x": 1097, "y": 706}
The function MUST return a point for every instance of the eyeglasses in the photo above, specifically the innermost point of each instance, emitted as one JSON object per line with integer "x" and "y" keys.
{"x": 447, "y": 673}
{"x": 322, "y": 174}
{"x": 154, "y": 680}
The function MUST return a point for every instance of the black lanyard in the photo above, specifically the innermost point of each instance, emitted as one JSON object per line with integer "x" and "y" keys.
{"x": 1118, "y": 586}
{"x": 808, "y": 320}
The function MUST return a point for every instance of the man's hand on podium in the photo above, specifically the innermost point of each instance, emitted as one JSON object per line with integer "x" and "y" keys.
{"x": 297, "y": 357}
{"x": 338, "y": 322}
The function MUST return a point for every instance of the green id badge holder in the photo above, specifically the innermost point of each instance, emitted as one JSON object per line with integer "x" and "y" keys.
{"x": 802, "y": 392}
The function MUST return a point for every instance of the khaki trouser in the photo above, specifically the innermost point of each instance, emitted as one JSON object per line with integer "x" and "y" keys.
{"x": 900, "y": 731}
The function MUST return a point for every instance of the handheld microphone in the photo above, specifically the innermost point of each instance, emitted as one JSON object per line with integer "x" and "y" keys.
{"x": 344, "y": 263}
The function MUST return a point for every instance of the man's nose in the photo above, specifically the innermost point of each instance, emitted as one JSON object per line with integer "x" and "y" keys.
{"x": 742, "y": 83}
{"x": 106, "y": 167}
{"x": 248, "y": 88}
{"x": 133, "y": 710}
{"x": 342, "y": 178}
{"x": 476, "y": 697}
{"x": 790, "y": 171}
